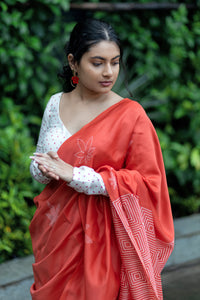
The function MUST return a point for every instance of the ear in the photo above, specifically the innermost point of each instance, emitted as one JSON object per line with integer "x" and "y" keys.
{"x": 71, "y": 62}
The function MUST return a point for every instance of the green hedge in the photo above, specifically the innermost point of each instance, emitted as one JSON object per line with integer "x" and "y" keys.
{"x": 33, "y": 34}
{"x": 162, "y": 56}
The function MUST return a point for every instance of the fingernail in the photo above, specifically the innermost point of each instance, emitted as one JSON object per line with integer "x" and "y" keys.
{"x": 36, "y": 160}
{"x": 32, "y": 157}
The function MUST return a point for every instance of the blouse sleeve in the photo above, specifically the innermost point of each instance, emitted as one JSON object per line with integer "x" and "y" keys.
{"x": 86, "y": 180}
{"x": 35, "y": 172}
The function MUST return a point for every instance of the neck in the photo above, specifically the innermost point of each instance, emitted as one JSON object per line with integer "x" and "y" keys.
{"x": 89, "y": 96}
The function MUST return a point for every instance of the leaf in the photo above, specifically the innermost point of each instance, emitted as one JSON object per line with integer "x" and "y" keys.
{"x": 195, "y": 158}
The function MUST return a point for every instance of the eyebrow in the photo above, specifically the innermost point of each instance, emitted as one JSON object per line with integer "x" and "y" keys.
{"x": 102, "y": 58}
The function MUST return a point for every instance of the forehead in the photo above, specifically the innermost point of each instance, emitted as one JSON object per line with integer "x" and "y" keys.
{"x": 104, "y": 49}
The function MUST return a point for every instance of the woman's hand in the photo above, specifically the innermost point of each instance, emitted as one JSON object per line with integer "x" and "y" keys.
{"x": 52, "y": 166}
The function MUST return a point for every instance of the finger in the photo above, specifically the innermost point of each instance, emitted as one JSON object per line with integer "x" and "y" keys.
{"x": 49, "y": 169}
{"x": 53, "y": 175}
{"x": 48, "y": 172}
{"x": 42, "y": 161}
{"x": 32, "y": 157}
{"x": 36, "y": 154}
{"x": 39, "y": 160}
{"x": 53, "y": 155}
{"x": 42, "y": 168}
{"x": 44, "y": 171}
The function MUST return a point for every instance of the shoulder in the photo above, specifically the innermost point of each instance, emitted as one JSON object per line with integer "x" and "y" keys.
{"x": 55, "y": 98}
{"x": 134, "y": 107}
{"x": 53, "y": 102}
{"x": 136, "y": 114}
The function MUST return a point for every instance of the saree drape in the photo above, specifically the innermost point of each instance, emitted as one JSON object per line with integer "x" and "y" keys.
{"x": 97, "y": 247}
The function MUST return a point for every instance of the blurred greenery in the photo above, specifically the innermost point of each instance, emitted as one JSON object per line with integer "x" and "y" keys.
{"x": 161, "y": 58}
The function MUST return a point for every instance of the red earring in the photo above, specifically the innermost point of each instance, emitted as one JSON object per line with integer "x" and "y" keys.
{"x": 74, "y": 80}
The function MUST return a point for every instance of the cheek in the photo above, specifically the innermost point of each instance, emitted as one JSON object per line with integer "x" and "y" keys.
{"x": 117, "y": 71}
{"x": 89, "y": 74}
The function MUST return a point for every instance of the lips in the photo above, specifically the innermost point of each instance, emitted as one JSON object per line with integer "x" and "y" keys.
{"x": 106, "y": 83}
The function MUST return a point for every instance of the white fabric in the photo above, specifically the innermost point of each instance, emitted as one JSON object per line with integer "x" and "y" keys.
{"x": 87, "y": 181}
{"x": 52, "y": 135}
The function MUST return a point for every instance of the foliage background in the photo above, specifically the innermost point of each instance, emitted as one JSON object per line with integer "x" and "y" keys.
{"x": 162, "y": 59}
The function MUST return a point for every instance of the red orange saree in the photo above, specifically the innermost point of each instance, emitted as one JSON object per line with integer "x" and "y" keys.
{"x": 106, "y": 248}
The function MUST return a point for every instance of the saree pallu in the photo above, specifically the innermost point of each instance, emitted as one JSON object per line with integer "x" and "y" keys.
{"x": 93, "y": 247}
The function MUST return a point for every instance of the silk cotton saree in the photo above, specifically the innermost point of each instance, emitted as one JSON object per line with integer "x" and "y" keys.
{"x": 93, "y": 247}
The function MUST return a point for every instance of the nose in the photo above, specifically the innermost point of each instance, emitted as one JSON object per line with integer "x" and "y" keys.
{"x": 107, "y": 70}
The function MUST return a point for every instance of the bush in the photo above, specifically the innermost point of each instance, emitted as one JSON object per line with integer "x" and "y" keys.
{"x": 31, "y": 34}
{"x": 15, "y": 183}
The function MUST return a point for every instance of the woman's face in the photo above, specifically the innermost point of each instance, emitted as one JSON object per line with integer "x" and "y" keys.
{"x": 99, "y": 67}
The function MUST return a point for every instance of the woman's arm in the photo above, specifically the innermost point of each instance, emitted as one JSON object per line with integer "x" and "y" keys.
{"x": 83, "y": 179}
{"x": 35, "y": 170}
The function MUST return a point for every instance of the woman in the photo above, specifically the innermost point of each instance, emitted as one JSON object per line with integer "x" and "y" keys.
{"x": 103, "y": 227}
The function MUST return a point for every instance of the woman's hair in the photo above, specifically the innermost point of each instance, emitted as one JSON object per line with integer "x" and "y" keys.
{"x": 86, "y": 34}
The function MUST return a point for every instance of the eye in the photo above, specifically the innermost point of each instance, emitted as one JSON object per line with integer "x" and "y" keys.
{"x": 115, "y": 62}
{"x": 96, "y": 64}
